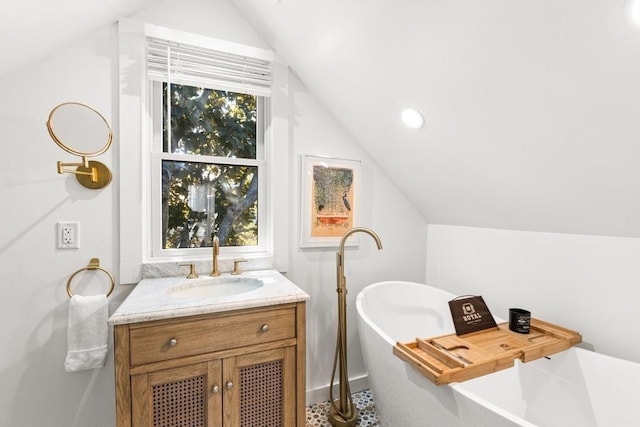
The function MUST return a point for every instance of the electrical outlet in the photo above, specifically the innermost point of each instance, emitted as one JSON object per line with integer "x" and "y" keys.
{"x": 68, "y": 235}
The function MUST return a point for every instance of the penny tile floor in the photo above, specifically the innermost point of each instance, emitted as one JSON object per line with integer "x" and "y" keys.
{"x": 317, "y": 414}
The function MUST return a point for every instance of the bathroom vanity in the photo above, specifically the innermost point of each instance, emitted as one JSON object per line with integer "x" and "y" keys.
{"x": 188, "y": 352}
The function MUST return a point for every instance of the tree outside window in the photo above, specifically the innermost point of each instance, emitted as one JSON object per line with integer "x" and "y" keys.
{"x": 218, "y": 194}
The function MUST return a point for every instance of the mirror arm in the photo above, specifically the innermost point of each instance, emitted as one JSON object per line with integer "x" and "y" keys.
{"x": 93, "y": 172}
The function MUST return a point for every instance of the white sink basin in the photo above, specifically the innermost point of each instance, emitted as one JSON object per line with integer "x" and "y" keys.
{"x": 215, "y": 287}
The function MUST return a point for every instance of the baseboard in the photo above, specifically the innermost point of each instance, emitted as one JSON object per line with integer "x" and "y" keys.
{"x": 321, "y": 394}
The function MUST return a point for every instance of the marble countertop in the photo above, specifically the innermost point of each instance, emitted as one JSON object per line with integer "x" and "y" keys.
{"x": 151, "y": 299}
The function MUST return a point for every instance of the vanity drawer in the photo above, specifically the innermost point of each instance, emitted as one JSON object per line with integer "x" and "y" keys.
{"x": 172, "y": 339}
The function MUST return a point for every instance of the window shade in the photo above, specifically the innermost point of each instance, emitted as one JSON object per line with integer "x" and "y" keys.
{"x": 196, "y": 66}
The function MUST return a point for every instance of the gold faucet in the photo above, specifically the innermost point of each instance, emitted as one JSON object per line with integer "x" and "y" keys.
{"x": 192, "y": 270}
{"x": 343, "y": 412}
{"x": 216, "y": 251}
{"x": 340, "y": 255}
{"x": 236, "y": 266}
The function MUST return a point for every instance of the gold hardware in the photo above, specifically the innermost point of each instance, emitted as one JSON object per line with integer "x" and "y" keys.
{"x": 236, "y": 266}
{"x": 95, "y": 176}
{"x": 343, "y": 412}
{"x": 90, "y": 174}
{"x": 340, "y": 255}
{"x": 94, "y": 264}
{"x": 216, "y": 251}
{"x": 192, "y": 270}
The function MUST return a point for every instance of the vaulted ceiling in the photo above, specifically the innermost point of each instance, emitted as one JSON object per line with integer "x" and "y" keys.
{"x": 32, "y": 29}
{"x": 532, "y": 108}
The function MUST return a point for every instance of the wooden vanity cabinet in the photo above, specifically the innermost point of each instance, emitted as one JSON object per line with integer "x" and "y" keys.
{"x": 241, "y": 368}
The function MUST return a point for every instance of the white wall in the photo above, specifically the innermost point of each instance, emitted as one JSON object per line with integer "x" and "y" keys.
{"x": 590, "y": 284}
{"x": 385, "y": 210}
{"x": 35, "y": 390}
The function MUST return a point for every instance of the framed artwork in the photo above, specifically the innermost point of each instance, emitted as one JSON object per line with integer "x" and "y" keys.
{"x": 330, "y": 200}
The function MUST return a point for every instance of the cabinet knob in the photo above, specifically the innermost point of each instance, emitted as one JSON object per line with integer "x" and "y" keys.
{"x": 215, "y": 389}
{"x": 229, "y": 385}
{"x": 264, "y": 328}
{"x": 172, "y": 342}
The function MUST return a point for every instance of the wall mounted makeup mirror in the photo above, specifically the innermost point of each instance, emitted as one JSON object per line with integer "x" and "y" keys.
{"x": 82, "y": 131}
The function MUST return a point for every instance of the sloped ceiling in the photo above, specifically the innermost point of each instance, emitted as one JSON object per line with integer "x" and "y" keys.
{"x": 32, "y": 29}
{"x": 532, "y": 107}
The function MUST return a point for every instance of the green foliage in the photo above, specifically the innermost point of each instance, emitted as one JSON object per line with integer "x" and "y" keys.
{"x": 330, "y": 183}
{"x": 212, "y": 123}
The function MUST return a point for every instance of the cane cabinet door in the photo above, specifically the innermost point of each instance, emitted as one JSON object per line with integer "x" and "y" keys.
{"x": 185, "y": 396}
{"x": 260, "y": 389}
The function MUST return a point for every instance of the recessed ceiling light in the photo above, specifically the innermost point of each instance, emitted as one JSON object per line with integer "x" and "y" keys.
{"x": 412, "y": 118}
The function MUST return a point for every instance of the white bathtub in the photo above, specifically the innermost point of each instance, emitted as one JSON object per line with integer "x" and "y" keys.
{"x": 574, "y": 388}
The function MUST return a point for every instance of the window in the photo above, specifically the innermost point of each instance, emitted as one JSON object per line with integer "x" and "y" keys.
{"x": 140, "y": 150}
{"x": 209, "y": 114}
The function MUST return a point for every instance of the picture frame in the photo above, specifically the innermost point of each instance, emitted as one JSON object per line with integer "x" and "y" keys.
{"x": 330, "y": 200}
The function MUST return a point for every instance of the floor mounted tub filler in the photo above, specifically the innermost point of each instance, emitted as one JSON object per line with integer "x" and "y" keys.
{"x": 575, "y": 387}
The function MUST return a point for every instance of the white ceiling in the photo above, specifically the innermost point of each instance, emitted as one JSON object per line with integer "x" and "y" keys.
{"x": 532, "y": 108}
{"x": 30, "y": 29}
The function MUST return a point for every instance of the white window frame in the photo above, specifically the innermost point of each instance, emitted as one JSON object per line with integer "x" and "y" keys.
{"x": 134, "y": 145}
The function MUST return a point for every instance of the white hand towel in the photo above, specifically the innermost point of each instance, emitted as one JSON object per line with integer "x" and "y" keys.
{"x": 87, "y": 332}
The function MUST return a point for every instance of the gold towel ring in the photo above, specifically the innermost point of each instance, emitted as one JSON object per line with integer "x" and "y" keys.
{"x": 94, "y": 264}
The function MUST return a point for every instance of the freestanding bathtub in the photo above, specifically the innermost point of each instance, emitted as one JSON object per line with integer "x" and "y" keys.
{"x": 574, "y": 388}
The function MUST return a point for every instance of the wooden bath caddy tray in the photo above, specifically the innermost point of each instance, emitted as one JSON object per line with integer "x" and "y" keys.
{"x": 453, "y": 358}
